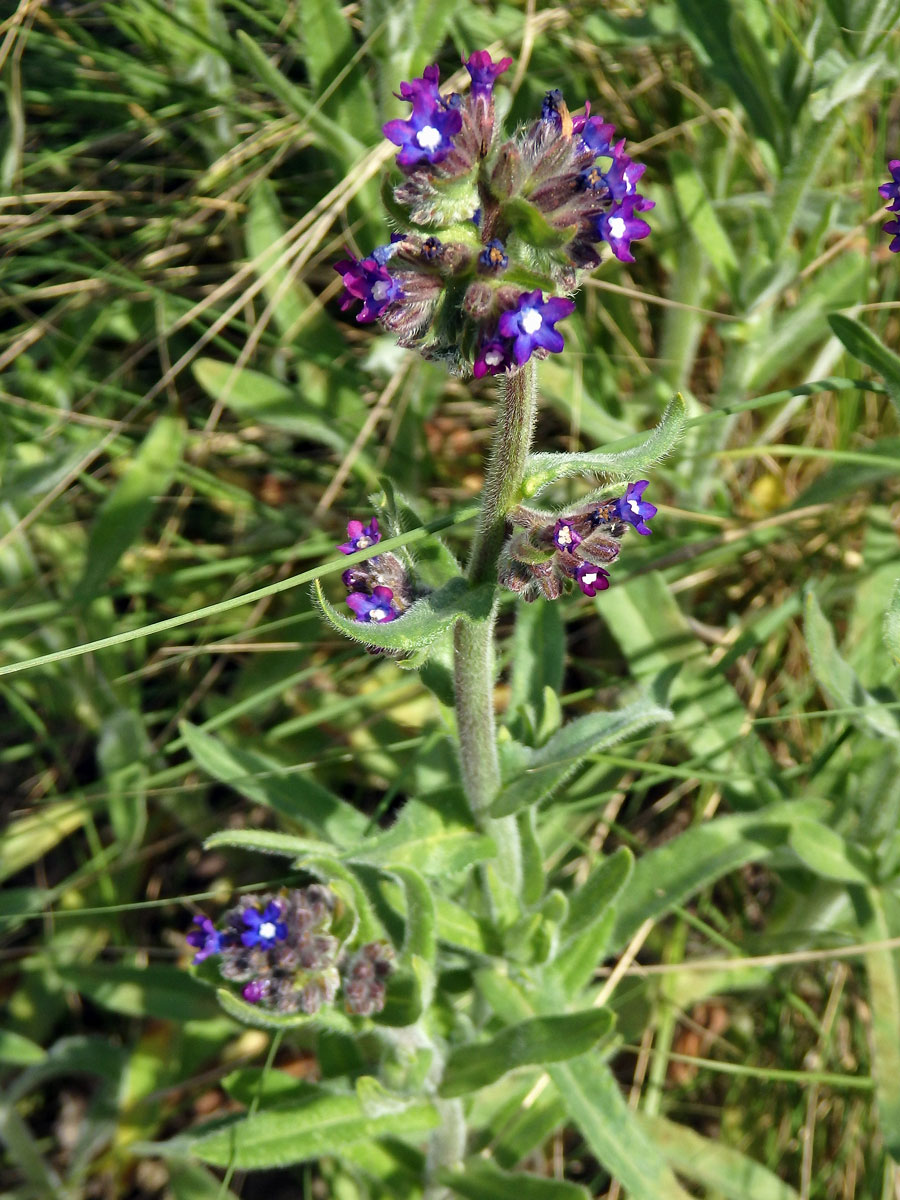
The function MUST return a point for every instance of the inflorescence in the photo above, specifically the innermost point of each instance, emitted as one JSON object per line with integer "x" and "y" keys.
{"x": 891, "y": 192}
{"x": 545, "y": 556}
{"x": 283, "y": 950}
{"x": 496, "y": 229}
{"x": 379, "y": 589}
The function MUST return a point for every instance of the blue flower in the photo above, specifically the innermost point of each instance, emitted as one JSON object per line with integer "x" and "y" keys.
{"x": 494, "y": 356}
{"x": 591, "y": 579}
{"x": 633, "y": 509}
{"x": 894, "y": 228}
{"x": 565, "y": 535}
{"x": 551, "y": 105}
{"x": 484, "y": 71}
{"x": 622, "y": 177}
{"x": 367, "y": 280}
{"x": 206, "y": 939}
{"x": 427, "y": 135}
{"x": 531, "y": 323}
{"x": 891, "y": 190}
{"x": 595, "y": 132}
{"x": 377, "y": 607}
{"x": 360, "y": 537}
{"x": 620, "y": 227}
{"x": 264, "y": 928}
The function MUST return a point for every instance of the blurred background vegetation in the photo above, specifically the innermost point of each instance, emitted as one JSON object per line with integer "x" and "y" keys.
{"x": 186, "y": 417}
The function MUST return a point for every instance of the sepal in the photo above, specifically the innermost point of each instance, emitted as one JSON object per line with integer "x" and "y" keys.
{"x": 543, "y": 469}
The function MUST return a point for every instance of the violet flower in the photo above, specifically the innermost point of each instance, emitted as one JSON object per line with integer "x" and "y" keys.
{"x": 632, "y": 509}
{"x": 377, "y": 607}
{"x": 365, "y": 279}
{"x": 205, "y": 939}
{"x": 483, "y": 71}
{"x": 494, "y": 356}
{"x": 620, "y": 227}
{"x": 891, "y": 189}
{"x": 565, "y": 536}
{"x": 360, "y": 537}
{"x": 426, "y": 136}
{"x": 591, "y": 579}
{"x": 531, "y": 324}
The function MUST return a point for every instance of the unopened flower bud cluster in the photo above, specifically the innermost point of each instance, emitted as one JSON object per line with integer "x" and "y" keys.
{"x": 281, "y": 949}
{"x": 495, "y": 231}
{"x": 547, "y": 556}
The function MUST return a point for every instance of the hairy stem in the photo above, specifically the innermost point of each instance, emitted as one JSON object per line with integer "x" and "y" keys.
{"x": 474, "y": 642}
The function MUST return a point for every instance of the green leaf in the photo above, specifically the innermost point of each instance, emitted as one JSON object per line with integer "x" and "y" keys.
{"x": 482, "y": 1180}
{"x": 838, "y": 679}
{"x": 313, "y": 1126}
{"x": 419, "y": 939}
{"x": 530, "y": 1043}
{"x": 863, "y": 344}
{"x": 128, "y": 507}
{"x": 722, "y": 1169}
{"x": 634, "y": 454}
{"x": 827, "y": 854}
{"x": 892, "y": 624}
{"x": 668, "y": 875}
{"x": 538, "y": 773}
{"x": 700, "y": 217}
{"x": 29, "y": 838}
{"x": 18, "y": 1050}
{"x": 589, "y": 902}
{"x": 263, "y": 1085}
{"x": 259, "y": 1018}
{"x": 538, "y": 655}
{"x": 266, "y": 841}
{"x": 422, "y": 622}
{"x": 164, "y": 992}
{"x": 431, "y": 846}
{"x": 257, "y": 397}
{"x": 612, "y": 1131}
{"x": 267, "y": 781}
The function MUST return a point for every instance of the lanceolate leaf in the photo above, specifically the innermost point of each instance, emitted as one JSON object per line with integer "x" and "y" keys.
{"x": 863, "y": 344}
{"x": 634, "y": 455}
{"x": 308, "y": 1128}
{"x": 892, "y": 624}
{"x": 839, "y": 680}
{"x": 879, "y": 919}
{"x": 543, "y": 770}
{"x": 156, "y": 991}
{"x": 482, "y": 1180}
{"x": 417, "y": 628}
{"x": 591, "y": 900}
{"x": 534, "y": 1042}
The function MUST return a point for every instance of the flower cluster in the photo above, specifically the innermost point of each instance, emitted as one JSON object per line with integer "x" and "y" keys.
{"x": 544, "y": 556}
{"x": 281, "y": 948}
{"x": 496, "y": 230}
{"x": 891, "y": 191}
{"x": 365, "y": 978}
{"x": 378, "y": 589}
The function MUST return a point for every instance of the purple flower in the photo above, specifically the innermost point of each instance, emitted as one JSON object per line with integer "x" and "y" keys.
{"x": 622, "y": 177}
{"x": 254, "y": 991}
{"x": 531, "y": 324}
{"x": 620, "y": 227}
{"x": 206, "y": 939}
{"x": 360, "y": 536}
{"x": 595, "y": 132}
{"x": 891, "y": 190}
{"x": 264, "y": 928}
{"x": 565, "y": 535}
{"x": 377, "y": 607}
{"x": 427, "y": 135}
{"x": 894, "y": 228}
{"x": 551, "y": 106}
{"x": 493, "y": 357}
{"x": 484, "y": 72}
{"x": 591, "y": 579}
{"x": 633, "y": 509}
{"x": 367, "y": 280}
{"x": 493, "y": 257}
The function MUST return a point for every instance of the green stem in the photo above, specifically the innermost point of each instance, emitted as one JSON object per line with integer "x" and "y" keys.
{"x": 474, "y": 641}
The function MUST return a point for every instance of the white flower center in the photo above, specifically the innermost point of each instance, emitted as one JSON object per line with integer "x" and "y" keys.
{"x": 380, "y": 289}
{"x": 493, "y": 358}
{"x": 378, "y": 614}
{"x": 565, "y": 535}
{"x": 531, "y": 320}
{"x": 589, "y": 577}
{"x": 267, "y": 930}
{"x": 633, "y": 505}
{"x": 429, "y": 138}
{"x": 616, "y": 227}
{"x": 362, "y": 542}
